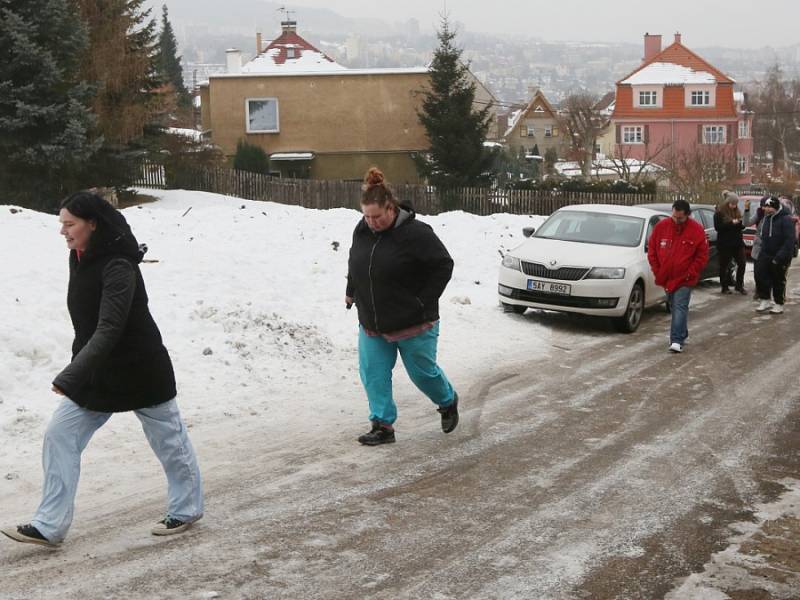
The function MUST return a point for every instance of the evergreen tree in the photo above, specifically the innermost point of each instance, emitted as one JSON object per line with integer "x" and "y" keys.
{"x": 456, "y": 130}
{"x": 168, "y": 62}
{"x": 251, "y": 158}
{"x": 45, "y": 119}
{"x": 121, "y": 60}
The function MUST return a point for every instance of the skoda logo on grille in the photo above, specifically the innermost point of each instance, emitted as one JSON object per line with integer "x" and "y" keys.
{"x": 553, "y": 263}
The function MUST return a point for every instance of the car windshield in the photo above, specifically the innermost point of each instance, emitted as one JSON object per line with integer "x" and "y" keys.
{"x": 592, "y": 228}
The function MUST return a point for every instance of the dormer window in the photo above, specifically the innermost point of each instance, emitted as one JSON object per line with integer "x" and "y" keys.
{"x": 701, "y": 98}
{"x": 649, "y": 98}
{"x": 291, "y": 53}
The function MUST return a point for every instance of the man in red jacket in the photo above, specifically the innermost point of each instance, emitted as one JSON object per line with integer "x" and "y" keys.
{"x": 678, "y": 251}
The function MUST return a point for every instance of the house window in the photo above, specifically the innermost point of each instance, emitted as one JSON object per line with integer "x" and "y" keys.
{"x": 290, "y": 53}
{"x": 701, "y": 98}
{"x": 548, "y": 131}
{"x": 647, "y": 98}
{"x": 741, "y": 162}
{"x": 538, "y": 109}
{"x": 632, "y": 134}
{"x": 714, "y": 134}
{"x": 531, "y": 130}
{"x": 744, "y": 129}
{"x": 262, "y": 115}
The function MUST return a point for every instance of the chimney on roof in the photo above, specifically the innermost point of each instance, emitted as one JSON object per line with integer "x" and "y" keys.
{"x": 677, "y": 37}
{"x": 289, "y": 26}
{"x": 234, "y": 60}
{"x": 652, "y": 46}
{"x": 258, "y": 43}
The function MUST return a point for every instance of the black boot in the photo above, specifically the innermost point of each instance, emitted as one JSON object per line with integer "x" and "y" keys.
{"x": 449, "y": 415}
{"x": 379, "y": 434}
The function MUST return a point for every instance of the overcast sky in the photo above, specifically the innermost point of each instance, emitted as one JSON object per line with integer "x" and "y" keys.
{"x": 731, "y": 23}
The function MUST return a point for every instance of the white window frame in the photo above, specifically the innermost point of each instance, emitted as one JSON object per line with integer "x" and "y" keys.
{"x": 548, "y": 131}
{"x": 742, "y": 164}
{"x": 291, "y": 53}
{"x": 714, "y": 134}
{"x": 247, "y": 102}
{"x": 648, "y": 98}
{"x": 744, "y": 129}
{"x": 530, "y": 130}
{"x": 632, "y": 134}
{"x": 703, "y": 95}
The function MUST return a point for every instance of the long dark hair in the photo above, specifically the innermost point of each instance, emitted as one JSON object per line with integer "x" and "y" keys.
{"x": 112, "y": 233}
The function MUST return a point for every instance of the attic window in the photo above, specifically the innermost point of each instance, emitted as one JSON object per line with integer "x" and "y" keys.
{"x": 291, "y": 53}
{"x": 538, "y": 109}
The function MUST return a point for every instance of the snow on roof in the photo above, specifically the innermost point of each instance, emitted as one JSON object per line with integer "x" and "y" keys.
{"x": 738, "y": 97}
{"x": 291, "y": 156}
{"x": 343, "y": 71}
{"x": 187, "y": 133}
{"x": 512, "y": 120}
{"x": 308, "y": 61}
{"x": 607, "y": 167}
{"x": 489, "y": 144}
{"x": 664, "y": 73}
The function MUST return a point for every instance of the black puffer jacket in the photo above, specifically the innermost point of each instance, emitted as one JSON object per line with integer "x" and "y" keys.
{"x": 118, "y": 360}
{"x": 397, "y": 276}
{"x": 729, "y": 235}
{"x": 777, "y": 237}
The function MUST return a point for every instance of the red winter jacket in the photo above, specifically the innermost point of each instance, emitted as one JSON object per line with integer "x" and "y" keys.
{"x": 677, "y": 253}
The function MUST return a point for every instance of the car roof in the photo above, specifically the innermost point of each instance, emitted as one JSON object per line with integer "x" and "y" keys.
{"x": 666, "y": 207}
{"x": 613, "y": 209}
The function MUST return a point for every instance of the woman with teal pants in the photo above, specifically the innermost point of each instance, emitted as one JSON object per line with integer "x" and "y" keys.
{"x": 397, "y": 271}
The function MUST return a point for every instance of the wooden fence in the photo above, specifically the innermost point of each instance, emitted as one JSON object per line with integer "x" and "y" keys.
{"x": 425, "y": 199}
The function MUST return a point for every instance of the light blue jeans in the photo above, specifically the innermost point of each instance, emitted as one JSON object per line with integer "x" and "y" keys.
{"x": 377, "y": 358}
{"x": 679, "y": 306}
{"x": 69, "y": 433}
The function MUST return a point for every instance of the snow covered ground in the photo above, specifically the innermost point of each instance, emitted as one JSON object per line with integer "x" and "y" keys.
{"x": 249, "y": 297}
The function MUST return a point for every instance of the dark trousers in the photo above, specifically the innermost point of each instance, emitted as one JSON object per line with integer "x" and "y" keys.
{"x": 770, "y": 279}
{"x": 726, "y": 255}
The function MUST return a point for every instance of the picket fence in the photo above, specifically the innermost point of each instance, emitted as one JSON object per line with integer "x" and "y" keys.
{"x": 346, "y": 194}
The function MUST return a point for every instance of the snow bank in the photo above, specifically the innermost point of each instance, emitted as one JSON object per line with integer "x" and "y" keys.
{"x": 249, "y": 297}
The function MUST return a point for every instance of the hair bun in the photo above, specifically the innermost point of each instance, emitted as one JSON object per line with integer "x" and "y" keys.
{"x": 374, "y": 177}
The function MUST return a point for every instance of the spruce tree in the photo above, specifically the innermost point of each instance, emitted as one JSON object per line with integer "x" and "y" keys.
{"x": 45, "y": 119}
{"x": 456, "y": 129}
{"x": 168, "y": 61}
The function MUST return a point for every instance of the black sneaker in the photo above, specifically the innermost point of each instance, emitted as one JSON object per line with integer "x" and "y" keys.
{"x": 449, "y": 415}
{"x": 170, "y": 526}
{"x": 376, "y": 436}
{"x": 27, "y": 534}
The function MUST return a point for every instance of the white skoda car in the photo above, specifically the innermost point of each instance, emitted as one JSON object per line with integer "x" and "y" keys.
{"x": 589, "y": 259}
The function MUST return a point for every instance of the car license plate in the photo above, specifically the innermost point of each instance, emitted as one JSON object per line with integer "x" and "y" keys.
{"x": 551, "y": 288}
{"x": 748, "y": 242}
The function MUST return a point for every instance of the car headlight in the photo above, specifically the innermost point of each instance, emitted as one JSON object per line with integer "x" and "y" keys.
{"x": 606, "y": 273}
{"x": 511, "y": 262}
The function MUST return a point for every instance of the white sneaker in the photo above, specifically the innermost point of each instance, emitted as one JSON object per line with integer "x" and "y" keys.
{"x": 764, "y": 306}
{"x": 777, "y": 309}
{"x": 675, "y": 347}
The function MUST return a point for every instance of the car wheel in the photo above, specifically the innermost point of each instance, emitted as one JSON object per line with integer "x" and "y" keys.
{"x": 629, "y": 322}
{"x": 515, "y": 308}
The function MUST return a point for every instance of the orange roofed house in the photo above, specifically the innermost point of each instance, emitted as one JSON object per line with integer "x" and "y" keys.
{"x": 676, "y": 102}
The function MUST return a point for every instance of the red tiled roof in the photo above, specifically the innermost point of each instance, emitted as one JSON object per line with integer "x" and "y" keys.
{"x": 290, "y": 39}
{"x": 679, "y": 54}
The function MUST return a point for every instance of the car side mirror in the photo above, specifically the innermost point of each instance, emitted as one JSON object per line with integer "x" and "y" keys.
{"x": 528, "y": 231}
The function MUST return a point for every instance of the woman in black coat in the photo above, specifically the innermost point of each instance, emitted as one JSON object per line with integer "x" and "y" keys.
{"x": 119, "y": 364}
{"x": 398, "y": 269}
{"x": 730, "y": 244}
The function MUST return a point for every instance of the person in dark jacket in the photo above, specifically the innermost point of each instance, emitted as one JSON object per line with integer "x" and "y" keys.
{"x": 119, "y": 364}
{"x": 730, "y": 243}
{"x": 397, "y": 270}
{"x": 775, "y": 256}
